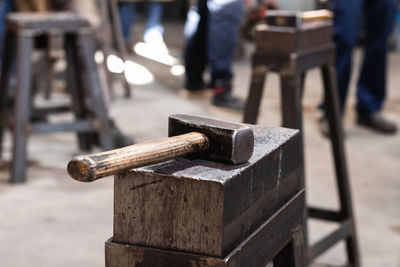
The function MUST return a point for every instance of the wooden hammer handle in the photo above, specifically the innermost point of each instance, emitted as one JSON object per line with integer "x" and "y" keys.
{"x": 88, "y": 168}
{"x": 322, "y": 14}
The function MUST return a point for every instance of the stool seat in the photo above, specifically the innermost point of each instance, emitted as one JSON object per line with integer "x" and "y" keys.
{"x": 90, "y": 123}
{"x": 46, "y": 22}
{"x": 288, "y": 40}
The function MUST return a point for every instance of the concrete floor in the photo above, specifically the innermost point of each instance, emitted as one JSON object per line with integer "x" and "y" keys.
{"x": 53, "y": 220}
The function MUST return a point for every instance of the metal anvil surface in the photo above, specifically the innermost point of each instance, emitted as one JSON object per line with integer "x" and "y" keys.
{"x": 204, "y": 207}
{"x": 285, "y": 38}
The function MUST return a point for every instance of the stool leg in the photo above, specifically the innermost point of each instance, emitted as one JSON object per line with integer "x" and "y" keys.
{"x": 293, "y": 253}
{"x": 107, "y": 44}
{"x": 336, "y": 133}
{"x": 255, "y": 94}
{"x": 21, "y": 108}
{"x": 292, "y": 113}
{"x": 95, "y": 92}
{"x": 291, "y": 101}
{"x": 302, "y": 82}
{"x": 6, "y": 71}
{"x": 75, "y": 88}
{"x": 292, "y": 117}
{"x": 117, "y": 36}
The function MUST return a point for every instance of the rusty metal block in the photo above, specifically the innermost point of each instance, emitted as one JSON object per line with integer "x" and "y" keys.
{"x": 267, "y": 243}
{"x": 204, "y": 207}
{"x": 286, "y": 40}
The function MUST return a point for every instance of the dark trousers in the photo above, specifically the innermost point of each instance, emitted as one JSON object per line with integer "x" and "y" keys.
{"x": 212, "y": 32}
{"x": 6, "y": 6}
{"x": 129, "y": 14}
{"x": 379, "y": 18}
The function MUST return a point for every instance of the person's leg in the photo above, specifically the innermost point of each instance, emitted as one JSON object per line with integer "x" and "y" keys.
{"x": 154, "y": 30}
{"x": 347, "y": 15}
{"x": 225, "y": 17}
{"x": 380, "y": 19}
{"x": 346, "y": 25}
{"x": 128, "y": 14}
{"x": 6, "y": 6}
{"x": 195, "y": 54}
{"x": 379, "y": 23}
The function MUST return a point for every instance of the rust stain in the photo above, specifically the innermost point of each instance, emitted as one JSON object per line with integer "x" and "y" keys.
{"x": 146, "y": 184}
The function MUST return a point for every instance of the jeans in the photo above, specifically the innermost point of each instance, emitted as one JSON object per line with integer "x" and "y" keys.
{"x": 128, "y": 13}
{"x": 379, "y": 18}
{"x": 6, "y": 6}
{"x": 212, "y": 38}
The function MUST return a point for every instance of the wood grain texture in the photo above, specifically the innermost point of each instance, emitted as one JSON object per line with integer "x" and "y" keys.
{"x": 289, "y": 40}
{"x": 278, "y": 238}
{"x": 87, "y": 168}
{"x": 322, "y": 14}
{"x": 203, "y": 206}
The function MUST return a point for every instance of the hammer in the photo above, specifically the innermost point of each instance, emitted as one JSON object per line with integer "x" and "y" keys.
{"x": 208, "y": 138}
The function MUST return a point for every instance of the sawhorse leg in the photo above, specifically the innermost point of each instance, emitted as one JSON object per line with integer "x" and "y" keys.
{"x": 255, "y": 94}
{"x": 76, "y": 90}
{"x": 347, "y": 229}
{"x": 95, "y": 92}
{"x": 21, "y": 108}
{"x": 116, "y": 30}
{"x": 293, "y": 253}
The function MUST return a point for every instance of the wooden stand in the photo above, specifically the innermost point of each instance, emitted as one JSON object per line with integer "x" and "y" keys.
{"x": 201, "y": 213}
{"x": 113, "y": 40}
{"x": 22, "y": 30}
{"x": 291, "y": 51}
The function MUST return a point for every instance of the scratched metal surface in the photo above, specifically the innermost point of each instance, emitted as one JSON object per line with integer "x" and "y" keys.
{"x": 201, "y": 169}
{"x": 44, "y": 22}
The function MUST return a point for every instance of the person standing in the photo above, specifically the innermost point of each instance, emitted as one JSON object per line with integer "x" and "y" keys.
{"x": 212, "y": 32}
{"x": 379, "y": 20}
{"x": 6, "y": 6}
{"x": 154, "y": 31}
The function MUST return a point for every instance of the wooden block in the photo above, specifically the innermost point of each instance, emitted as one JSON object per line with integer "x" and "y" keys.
{"x": 40, "y": 23}
{"x": 207, "y": 207}
{"x": 259, "y": 249}
{"x": 286, "y": 40}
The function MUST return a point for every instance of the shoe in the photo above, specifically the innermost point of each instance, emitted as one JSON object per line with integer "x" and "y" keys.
{"x": 197, "y": 85}
{"x": 223, "y": 97}
{"x": 195, "y": 89}
{"x": 377, "y": 122}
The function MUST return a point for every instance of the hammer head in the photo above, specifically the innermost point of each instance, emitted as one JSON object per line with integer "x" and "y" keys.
{"x": 229, "y": 142}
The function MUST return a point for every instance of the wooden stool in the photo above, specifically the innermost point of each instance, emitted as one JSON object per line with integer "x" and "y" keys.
{"x": 203, "y": 213}
{"x": 22, "y": 30}
{"x": 113, "y": 40}
{"x": 290, "y": 45}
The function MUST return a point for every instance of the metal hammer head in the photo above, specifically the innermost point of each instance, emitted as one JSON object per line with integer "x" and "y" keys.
{"x": 229, "y": 142}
